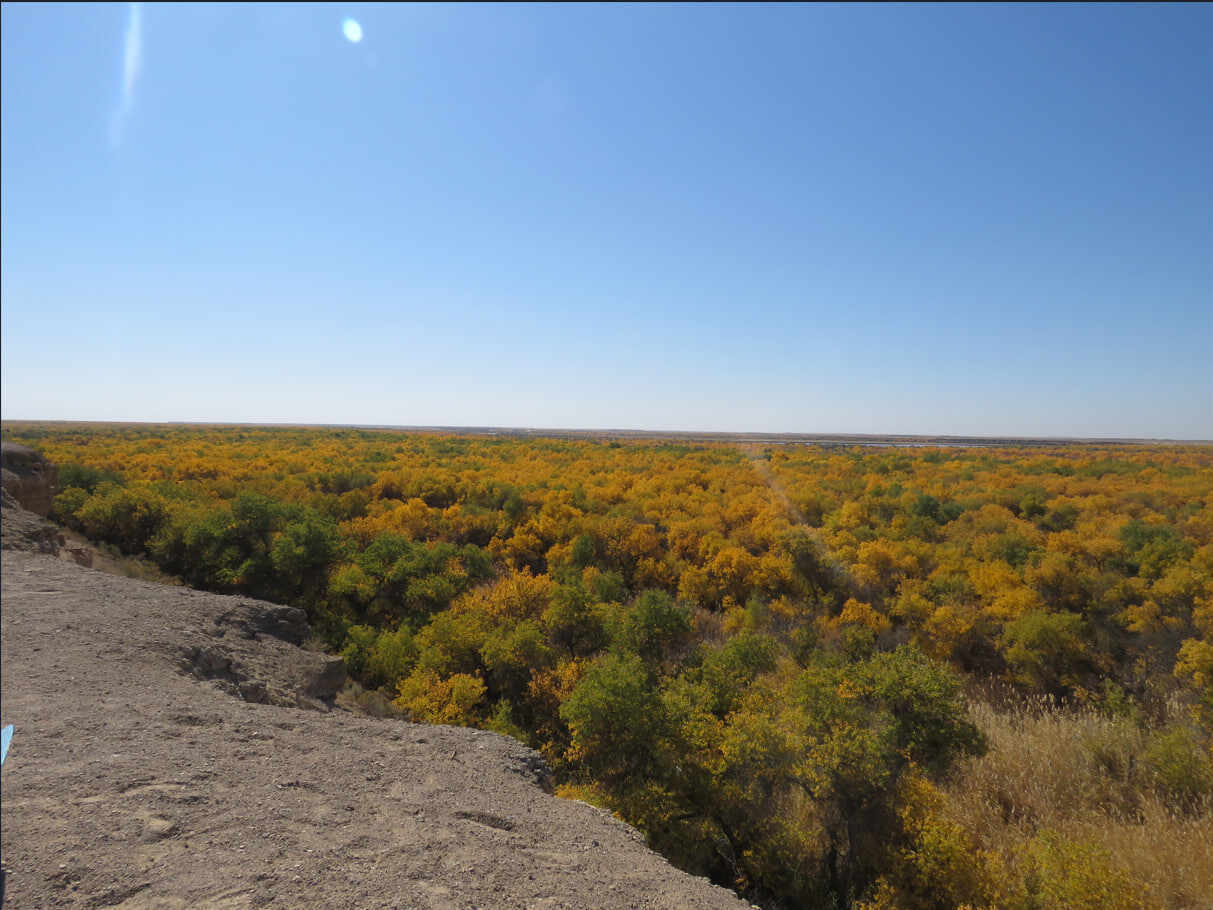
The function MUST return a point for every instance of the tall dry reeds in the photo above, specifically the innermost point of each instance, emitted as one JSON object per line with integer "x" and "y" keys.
{"x": 1136, "y": 798}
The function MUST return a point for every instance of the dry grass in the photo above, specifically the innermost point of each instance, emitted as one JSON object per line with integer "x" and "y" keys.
{"x": 357, "y": 700}
{"x": 1086, "y": 777}
{"x": 107, "y": 558}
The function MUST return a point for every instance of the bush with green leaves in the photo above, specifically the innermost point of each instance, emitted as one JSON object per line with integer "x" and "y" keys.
{"x": 1056, "y": 872}
{"x": 73, "y": 476}
{"x": 1046, "y": 651}
{"x": 395, "y": 578}
{"x": 66, "y": 504}
{"x": 766, "y": 771}
{"x": 615, "y": 718}
{"x": 127, "y": 517}
{"x": 1179, "y": 768}
{"x": 654, "y": 625}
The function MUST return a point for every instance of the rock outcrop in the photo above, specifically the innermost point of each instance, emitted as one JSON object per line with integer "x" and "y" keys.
{"x": 28, "y": 477}
{"x": 21, "y": 529}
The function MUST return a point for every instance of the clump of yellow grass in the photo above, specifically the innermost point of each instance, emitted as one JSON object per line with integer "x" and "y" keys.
{"x": 1086, "y": 777}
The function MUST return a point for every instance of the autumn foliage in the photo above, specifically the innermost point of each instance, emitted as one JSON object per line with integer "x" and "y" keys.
{"x": 795, "y": 668}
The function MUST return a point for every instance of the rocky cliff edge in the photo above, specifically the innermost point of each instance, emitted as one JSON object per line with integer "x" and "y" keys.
{"x": 179, "y": 749}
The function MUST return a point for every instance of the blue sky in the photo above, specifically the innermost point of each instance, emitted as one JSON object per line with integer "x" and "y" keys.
{"x": 886, "y": 219}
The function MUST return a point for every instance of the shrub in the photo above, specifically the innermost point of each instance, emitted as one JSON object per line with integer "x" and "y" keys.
{"x": 938, "y": 864}
{"x": 1056, "y": 873}
{"x": 572, "y": 621}
{"x": 511, "y": 654}
{"x": 1194, "y": 664}
{"x": 357, "y": 649}
{"x": 65, "y": 506}
{"x": 1046, "y": 651}
{"x": 391, "y": 657}
{"x": 614, "y": 717}
{"x": 126, "y": 517}
{"x": 82, "y": 477}
{"x": 1179, "y": 767}
{"x": 428, "y": 698}
{"x": 654, "y": 625}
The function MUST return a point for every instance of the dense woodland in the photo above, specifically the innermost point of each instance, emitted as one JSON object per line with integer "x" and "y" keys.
{"x": 871, "y": 677}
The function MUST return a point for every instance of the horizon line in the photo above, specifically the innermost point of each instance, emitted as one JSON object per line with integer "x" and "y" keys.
{"x": 726, "y": 435}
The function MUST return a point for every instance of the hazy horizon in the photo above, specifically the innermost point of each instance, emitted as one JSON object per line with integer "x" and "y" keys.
{"x": 924, "y": 220}
{"x": 650, "y": 432}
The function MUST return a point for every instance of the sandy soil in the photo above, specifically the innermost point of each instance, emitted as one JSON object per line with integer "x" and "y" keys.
{"x": 176, "y": 749}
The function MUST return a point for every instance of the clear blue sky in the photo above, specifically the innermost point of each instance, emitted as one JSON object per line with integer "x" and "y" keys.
{"x": 887, "y": 219}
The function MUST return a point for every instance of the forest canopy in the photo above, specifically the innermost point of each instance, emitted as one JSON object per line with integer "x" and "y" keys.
{"x": 775, "y": 660}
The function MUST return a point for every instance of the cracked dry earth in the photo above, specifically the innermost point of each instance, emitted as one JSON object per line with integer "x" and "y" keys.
{"x": 173, "y": 749}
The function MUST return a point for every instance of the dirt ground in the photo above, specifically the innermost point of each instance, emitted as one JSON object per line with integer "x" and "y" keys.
{"x": 177, "y": 749}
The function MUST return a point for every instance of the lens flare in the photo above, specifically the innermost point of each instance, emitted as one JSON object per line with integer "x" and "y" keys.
{"x": 352, "y": 30}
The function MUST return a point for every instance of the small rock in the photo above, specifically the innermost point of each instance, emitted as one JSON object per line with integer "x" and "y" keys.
{"x": 158, "y": 828}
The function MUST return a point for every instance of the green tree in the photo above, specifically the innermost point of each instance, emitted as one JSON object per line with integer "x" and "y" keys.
{"x": 654, "y": 625}
{"x": 1046, "y": 651}
{"x": 615, "y": 718}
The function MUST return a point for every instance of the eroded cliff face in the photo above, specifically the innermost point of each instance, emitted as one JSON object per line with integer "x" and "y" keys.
{"x": 28, "y": 477}
{"x": 23, "y": 530}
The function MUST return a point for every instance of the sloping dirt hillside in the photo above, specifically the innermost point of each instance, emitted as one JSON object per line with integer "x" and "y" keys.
{"x": 176, "y": 749}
